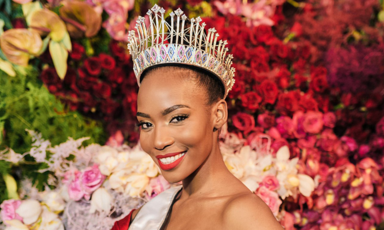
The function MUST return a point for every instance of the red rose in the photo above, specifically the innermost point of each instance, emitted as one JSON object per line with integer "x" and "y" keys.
{"x": 319, "y": 79}
{"x": 237, "y": 89}
{"x": 243, "y": 122}
{"x": 259, "y": 54}
{"x": 102, "y": 90}
{"x": 307, "y": 103}
{"x": 266, "y": 120}
{"x": 83, "y": 84}
{"x": 120, "y": 51}
{"x": 300, "y": 81}
{"x": 283, "y": 77}
{"x": 239, "y": 51}
{"x": 92, "y": 65}
{"x": 194, "y": 2}
{"x": 288, "y": 103}
{"x": 251, "y": 100}
{"x": 18, "y": 23}
{"x": 259, "y": 66}
{"x": 261, "y": 34}
{"x": 107, "y": 62}
{"x": 49, "y": 76}
{"x": 297, "y": 29}
{"x": 268, "y": 90}
{"x": 109, "y": 106}
{"x": 77, "y": 51}
{"x": 278, "y": 49}
{"x": 299, "y": 66}
{"x": 116, "y": 75}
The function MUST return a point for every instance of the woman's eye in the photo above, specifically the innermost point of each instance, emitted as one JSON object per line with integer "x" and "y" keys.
{"x": 179, "y": 118}
{"x": 144, "y": 125}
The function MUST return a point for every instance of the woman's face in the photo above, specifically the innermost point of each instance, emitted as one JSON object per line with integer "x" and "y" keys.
{"x": 176, "y": 125}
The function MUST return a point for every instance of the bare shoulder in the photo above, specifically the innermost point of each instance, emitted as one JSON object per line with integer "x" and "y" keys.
{"x": 246, "y": 211}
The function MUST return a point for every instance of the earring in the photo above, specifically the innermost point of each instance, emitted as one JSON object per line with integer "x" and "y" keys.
{"x": 214, "y": 129}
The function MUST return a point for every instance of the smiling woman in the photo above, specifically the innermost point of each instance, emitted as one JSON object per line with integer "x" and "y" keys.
{"x": 181, "y": 110}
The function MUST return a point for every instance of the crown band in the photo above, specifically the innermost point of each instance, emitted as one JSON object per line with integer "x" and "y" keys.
{"x": 163, "y": 44}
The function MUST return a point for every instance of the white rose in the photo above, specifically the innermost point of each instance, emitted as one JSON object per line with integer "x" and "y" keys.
{"x": 136, "y": 184}
{"x": 118, "y": 179}
{"x": 64, "y": 193}
{"x": 148, "y": 167}
{"x": 107, "y": 167}
{"x": 54, "y": 201}
{"x": 101, "y": 201}
{"x": 29, "y": 210}
{"x": 104, "y": 153}
{"x": 15, "y": 225}
{"x": 50, "y": 221}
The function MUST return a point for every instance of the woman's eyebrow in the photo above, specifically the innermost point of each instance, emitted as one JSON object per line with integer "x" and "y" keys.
{"x": 165, "y": 111}
{"x": 173, "y": 108}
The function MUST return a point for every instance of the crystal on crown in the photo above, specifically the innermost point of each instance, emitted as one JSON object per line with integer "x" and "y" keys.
{"x": 159, "y": 42}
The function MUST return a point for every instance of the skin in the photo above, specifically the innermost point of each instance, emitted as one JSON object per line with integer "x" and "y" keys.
{"x": 212, "y": 198}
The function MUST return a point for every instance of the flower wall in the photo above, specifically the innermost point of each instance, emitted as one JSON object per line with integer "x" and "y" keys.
{"x": 306, "y": 114}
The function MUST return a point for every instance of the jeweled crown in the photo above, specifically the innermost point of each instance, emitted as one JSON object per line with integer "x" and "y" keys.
{"x": 164, "y": 43}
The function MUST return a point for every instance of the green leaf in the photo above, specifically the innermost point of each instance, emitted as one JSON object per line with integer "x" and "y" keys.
{"x": 59, "y": 56}
{"x": 67, "y": 42}
{"x": 29, "y": 8}
{"x": 1, "y": 130}
{"x": 7, "y": 68}
{"x": 8, "y": 6}
{"x": 7, "y": 22}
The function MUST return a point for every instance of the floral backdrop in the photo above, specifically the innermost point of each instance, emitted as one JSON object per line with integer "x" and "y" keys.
{"x": 306, "y": 115}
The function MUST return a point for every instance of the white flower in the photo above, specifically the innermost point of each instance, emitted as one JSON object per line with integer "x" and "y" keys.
{"x": 101, "y": 201}
{"x": 50, "y": 221}
{"x": 307, "y": 185}
{"x": 54, "y": 201}
{"x": 29, "y": 210}
{"x": 136, "y": 184}
{"x": 107, "y": 160}
{"x": 118, "y": 179}
{"x": 15, "y": 225}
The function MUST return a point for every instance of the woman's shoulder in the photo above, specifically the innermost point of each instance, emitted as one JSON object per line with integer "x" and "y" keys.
{"x": 247, "y": 210}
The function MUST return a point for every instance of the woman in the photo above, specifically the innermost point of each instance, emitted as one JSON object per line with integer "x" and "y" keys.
{"x": 181, "y": 109}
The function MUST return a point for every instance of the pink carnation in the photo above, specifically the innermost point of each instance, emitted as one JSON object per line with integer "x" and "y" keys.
{"x": 270, "y": 198}
{"x": 75, "y": 191}
{"x": 91, "y": 180}
{"x": 270, "y": 182}
{"x": 313, "y": 122}
{"x": 8, "y": 210}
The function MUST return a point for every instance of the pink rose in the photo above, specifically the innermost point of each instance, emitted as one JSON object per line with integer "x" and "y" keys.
{"x": 277, "y": 144}
{"x": 285, "y": 126}
{"x": 274, "y": 133}
{"x": 363, "y": 150}
{"x": 350, "y": 142}
{"x": 116, "y": 140}
{"x": 270, "y": 198}
{"x": 313, "y": 122}
{"x": 270, "y": 182}
{"x": 75, "y": 191}
{"x": 91, "y": 180}
{"x": 8, "y": 210}
{"x": 329, "y": 120}
{"x": 298, "y": 120}
{"x": 266, "y": 120}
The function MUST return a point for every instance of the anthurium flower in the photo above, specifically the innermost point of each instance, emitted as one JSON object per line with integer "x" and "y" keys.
{"x": 19, "y": 44}
{"x": 47, "y": 22}
{"x": 81, "y": 19}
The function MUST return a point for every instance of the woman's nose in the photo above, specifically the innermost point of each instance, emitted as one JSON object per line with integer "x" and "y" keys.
{"x": 162, "y": 139}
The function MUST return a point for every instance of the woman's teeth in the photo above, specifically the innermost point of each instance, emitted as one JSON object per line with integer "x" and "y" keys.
{"x": 169, "y": 160}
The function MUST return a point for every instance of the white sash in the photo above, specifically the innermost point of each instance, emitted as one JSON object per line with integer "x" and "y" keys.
{"x": 152, "y": 215}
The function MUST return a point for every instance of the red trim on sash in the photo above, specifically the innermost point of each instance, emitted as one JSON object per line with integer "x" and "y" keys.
{"x": 124, "y": 223}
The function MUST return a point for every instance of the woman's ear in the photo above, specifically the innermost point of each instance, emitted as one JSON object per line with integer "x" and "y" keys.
{"x": 220, "y": 114}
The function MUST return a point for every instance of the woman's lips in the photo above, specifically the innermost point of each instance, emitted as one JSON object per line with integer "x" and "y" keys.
{"x": 170, "y": 161}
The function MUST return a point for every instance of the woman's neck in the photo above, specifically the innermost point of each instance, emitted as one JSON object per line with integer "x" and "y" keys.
{"x": 211, "y": 179}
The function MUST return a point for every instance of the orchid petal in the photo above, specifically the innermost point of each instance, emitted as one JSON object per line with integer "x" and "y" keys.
{"x": 307, "y": 185}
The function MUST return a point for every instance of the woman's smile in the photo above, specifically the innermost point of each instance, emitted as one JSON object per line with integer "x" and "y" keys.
{"x": 171, "y": 160}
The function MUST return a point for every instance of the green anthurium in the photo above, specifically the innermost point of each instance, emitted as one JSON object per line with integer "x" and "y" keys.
{"x": 67, "y": 42}
{"x": 59, "y": 56}
{"x": 11, "y": 186}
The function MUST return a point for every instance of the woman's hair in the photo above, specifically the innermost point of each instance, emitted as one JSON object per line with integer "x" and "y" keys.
{"x": 212, "y": 84}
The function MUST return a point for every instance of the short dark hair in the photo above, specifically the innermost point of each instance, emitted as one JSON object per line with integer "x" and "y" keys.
{"x": 213, "y": 85}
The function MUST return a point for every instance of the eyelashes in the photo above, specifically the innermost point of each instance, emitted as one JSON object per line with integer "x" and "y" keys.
{"x": 146, "y": 125}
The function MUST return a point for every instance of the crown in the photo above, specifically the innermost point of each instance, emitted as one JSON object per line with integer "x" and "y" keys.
{"x": 163, "y": 43}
